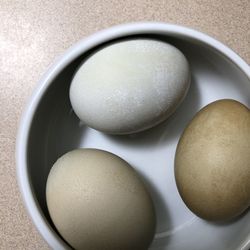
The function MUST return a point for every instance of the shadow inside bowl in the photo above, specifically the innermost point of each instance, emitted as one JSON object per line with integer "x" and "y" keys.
{"x": 162, "y": 215}
{"x": 50, "y": 136}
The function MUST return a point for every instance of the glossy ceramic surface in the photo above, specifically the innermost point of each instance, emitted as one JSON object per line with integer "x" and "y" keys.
{"x": 50, "y": 128}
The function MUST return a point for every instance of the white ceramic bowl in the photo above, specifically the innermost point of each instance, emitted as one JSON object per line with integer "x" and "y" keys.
{"x": 49, "y": 128}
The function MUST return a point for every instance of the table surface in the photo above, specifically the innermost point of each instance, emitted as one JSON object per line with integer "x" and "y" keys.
{"x": 34, "y": 32}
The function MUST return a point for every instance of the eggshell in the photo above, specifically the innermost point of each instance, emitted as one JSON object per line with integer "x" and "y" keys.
{"x": 97, "y": 201}
{"x": 212, "y": 162}
{"x": 130, "y": 86}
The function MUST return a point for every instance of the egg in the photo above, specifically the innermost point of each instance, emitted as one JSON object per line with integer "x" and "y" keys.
{"x": 96, "y": 200}
{"x": 212, "y": 161}
{"x": 130, "y": 86}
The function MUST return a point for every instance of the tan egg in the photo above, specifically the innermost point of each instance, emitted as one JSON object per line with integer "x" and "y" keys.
{"x": 212, "y": 161}
{"x": 97, "y": 201}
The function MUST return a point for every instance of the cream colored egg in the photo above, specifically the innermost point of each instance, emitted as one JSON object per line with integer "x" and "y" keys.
{"x": 212, "y": 162}
{"x": 130, "y": 86}
{"x": 97, "y": 201}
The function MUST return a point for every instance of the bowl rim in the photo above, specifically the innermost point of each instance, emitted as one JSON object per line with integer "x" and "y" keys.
{"x": 59, "y": 64}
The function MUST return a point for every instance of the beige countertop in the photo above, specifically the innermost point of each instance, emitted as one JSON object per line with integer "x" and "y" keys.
{"x": 33, "y": 33}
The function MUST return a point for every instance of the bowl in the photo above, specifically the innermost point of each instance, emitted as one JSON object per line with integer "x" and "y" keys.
{"x": 49, "y": 128}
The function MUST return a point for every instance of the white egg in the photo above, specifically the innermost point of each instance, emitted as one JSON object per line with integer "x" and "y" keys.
{"x": 130, "y": 86}
{"x": 97, "y": 201}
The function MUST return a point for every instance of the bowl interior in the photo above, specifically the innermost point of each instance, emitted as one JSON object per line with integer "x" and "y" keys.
{"x": 56, "y": 130}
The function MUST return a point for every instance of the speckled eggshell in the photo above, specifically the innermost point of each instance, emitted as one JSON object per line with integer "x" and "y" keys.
{"x": 97, "y": 201}
{"x": 212, "y": 161}
{"x": 130, "y": 86}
